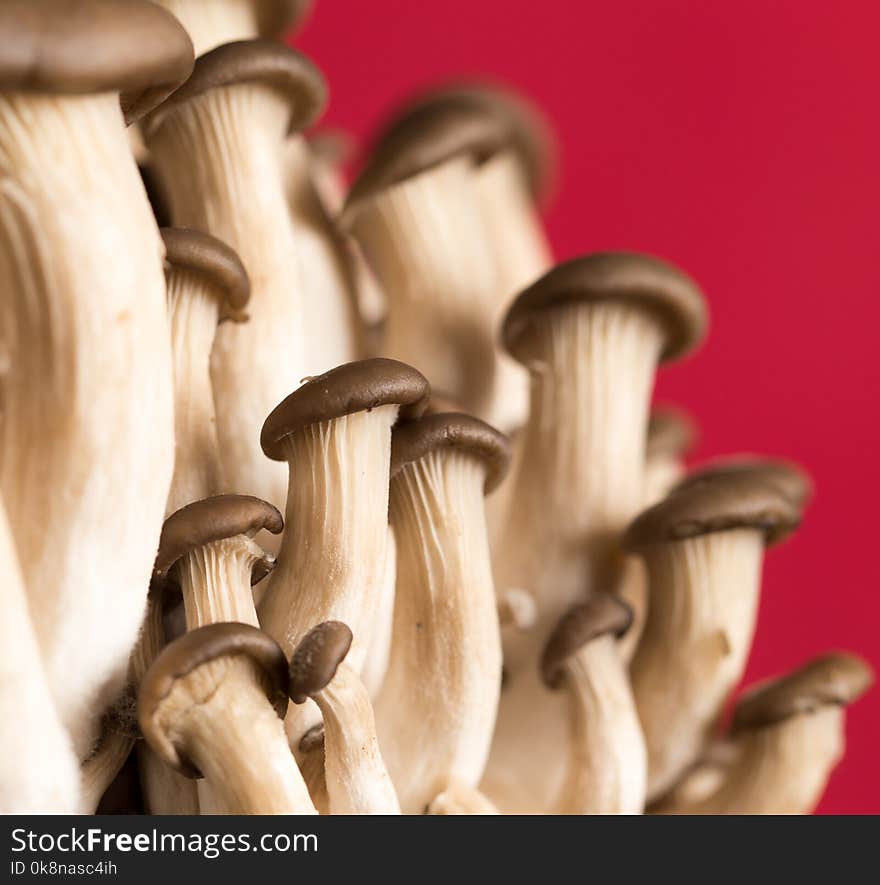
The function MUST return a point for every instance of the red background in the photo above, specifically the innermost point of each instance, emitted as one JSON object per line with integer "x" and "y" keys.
{"x": 740, "y": 140}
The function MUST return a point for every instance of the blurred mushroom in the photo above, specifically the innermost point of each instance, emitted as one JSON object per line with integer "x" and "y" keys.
{"x": 787, "y": 736}
{"x": 206, "y": 284}
{"x": 213, "y": 704}
{"x": 703, "y": 547}
{"x": 335, "y": 433}
{"x": 436, "y": 710}
{"x": 591, "y": 332}
{"x": 217, "y": 148}
{"x": 459, "y": 799}
{"x": 790, "y": 479}
{"x": 607, "y": 769}
{"x": 87, "y": 448}
{"x": 357, "y": 781}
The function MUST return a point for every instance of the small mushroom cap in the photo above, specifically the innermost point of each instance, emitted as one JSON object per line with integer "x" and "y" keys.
{"x": 451, "y": 430}
{"x": 790, "y": 478}
{"x": 200, "y": 253}
{"x": 833, "y": 680}
{"x": 271, "y": 64}
{"x": 85, "y": 47}
{"x": 188, "y": 653}
{"x": 717, "y": 503}
{"x": 312, "y": 739}
{"x": 276, "y": 17}
{"x": 352, "y": 387}
{"x": 641, "y": 280}
{"x": 670, "y": 432}
{"x": 316, "y": 659}
{"x": 213, "y": 519}
{"x": 604, "y": 613}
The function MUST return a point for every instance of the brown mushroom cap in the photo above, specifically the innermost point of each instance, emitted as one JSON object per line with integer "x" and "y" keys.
{"x": 604, "y": 613}
{"x": 833, "y": 680}
{"x": 715, "y": 504}
{"x": 213, "y": 519}
{"x": 527, "y": 132}
{"x": 450, "y": 430}
{"x": 641, "y": 280}
{"x": 276, "y": 17}
{"x": 316, "y": 659}
{"x": 670, "y": 432}
{"x": 191, "y": 651}
{"x": 200, "y": 253}
{"x": 789, "y": 478}
{"x": 271, "y": 64}
{"x": 352, "y": 387}
{"x": 84, "y": 47}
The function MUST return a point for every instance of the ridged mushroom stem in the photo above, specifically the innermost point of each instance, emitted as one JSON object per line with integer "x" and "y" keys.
{"x": 355, "y": 776}
{"x": 436, "y": 710}
{"x": 376, "y": 663}
{"x": 113, "y": 749}
{"x": 460, "y": 800}
{"x": 83, "y": 312}
{"x": 39, "y": 772}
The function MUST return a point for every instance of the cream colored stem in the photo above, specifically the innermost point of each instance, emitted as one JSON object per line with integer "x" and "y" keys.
{"x": 210, "y": 23}
{"x": 356, "y": 776}
{"x": 376, "y": 663}
{"x": 458, "y": 799}
{"x": 87, "y": 449}
{"x": 436, "y": 710}
{"x": 39, "y": 773}
{"x": 607, "y": 768}
{"x": 704, "y": 597}
{"x": 99, "y": 770}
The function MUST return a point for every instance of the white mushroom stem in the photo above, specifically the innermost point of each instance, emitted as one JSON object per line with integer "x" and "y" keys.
{"x": 356, "y": 777}
{"x": 704, "y": 597}
{"x": 376, "y": 662}
{"x": 436, "y": 711}
{"x": 193, "y": 313}
{"x": 87, "y": 448}
{"x": 210, "y": 23}
{"x": 607, "y": 765}
{"x": 219, "y": 156}
{"x": 39, "y": 772}
{"x": 426, "y": 240}
{"x": 459, "y": 799}
{"x": 100, "y": 769}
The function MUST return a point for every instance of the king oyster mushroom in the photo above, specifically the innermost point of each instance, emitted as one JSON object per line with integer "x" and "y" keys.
{"x": 87, "y": 448}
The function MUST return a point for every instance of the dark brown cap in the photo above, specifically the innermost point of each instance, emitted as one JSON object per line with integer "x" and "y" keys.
{"x": 316, "y": 659}
{"x": 833, "y": 680}
{"x": 200, "y": 253}
{"x": 277, "y": 17}
{"x": 450, "y": 430}
{"x": 352, "y": 387}
{"x": 84, "y": 47}
{"x": 670, "y": 432}
{"x": 715, "y": 504}
{"x": 191, "y": 651}
{"x": 789, "y": 478}
{"x": 604, "y": 613}
{"x": 641, "y": 280}
{"x": 213, "y": 519}
{"x": 271, "y": 64}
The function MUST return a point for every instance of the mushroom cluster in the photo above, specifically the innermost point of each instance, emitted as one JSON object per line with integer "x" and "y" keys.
{"x": 426, "y": 547}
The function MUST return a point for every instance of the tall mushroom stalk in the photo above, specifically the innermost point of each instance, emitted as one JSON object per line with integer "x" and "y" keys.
{"x": 703, "y": 547}
{"x": 335, "y": 434}
{"x": 355, "y": 775}
{"x": 217, "y": 146}
{"x": 607, "y": 770}
{"x": 786, "y": 738}
{"x": 87, "y": 447}
{"x": 39, "y": 772}
{"x": 436, "y": 710}
{"x": 213, "y": 705}
{"x": 591, "y": 332}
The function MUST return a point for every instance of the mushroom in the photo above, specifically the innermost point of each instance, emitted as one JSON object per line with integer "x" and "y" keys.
{"x": 212, "y": 704}
{"x": 703, "y": 548}
{"x": 211, "y": 23}
{"x": 39, "y": 771}
{"x": 87, "y": 448}
{"x": 335, "y": 433}
{"x": 459, "y": 799}
{"x": 436, "y": 710}
{"x": 357, "y": 781}
{"x": 206, "y": 284}
{"x": 607, "y": 769}
{"x": 787, "y": 736}
{"x": 217, "y": 146}
{"x": 591, "y": 332}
